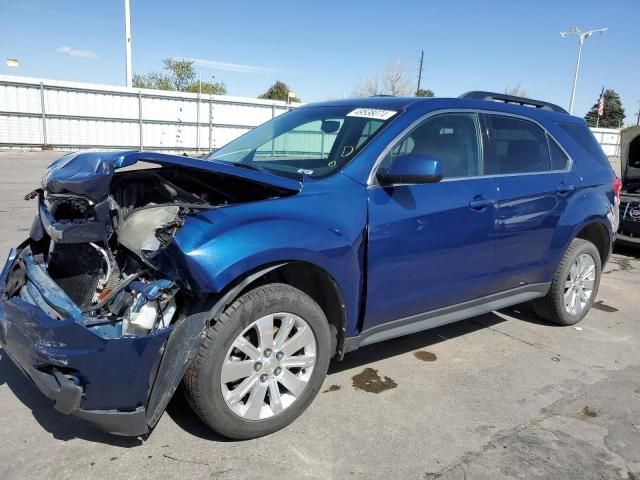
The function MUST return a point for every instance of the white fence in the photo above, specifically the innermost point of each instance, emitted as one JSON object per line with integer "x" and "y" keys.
{"x": 609, "y": 140}
{"x": 70, "y": 115}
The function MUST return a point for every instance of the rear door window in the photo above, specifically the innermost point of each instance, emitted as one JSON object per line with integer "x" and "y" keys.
{"x": 516, "y": 146}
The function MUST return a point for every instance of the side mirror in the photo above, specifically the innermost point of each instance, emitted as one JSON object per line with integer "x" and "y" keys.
{"x": 410, "y": 168}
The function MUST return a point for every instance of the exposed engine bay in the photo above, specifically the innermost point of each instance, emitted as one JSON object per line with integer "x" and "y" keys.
{"x": 96, "y": 247}
{"x": 631, "y": 187}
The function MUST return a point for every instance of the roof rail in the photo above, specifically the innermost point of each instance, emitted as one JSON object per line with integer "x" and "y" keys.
{"x": 503, "y": 97}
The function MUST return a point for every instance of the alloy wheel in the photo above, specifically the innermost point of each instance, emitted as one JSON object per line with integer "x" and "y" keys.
{"x": 268, "y": 366}
{"x": 578, "y": 287}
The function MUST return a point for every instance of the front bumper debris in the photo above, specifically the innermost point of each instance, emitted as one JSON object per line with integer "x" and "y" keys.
{"x": 80, "y": 368}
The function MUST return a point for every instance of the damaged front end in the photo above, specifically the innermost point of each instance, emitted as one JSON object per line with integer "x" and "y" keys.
{"x": 629, "y": 231}
{"x": 86, "y": 309}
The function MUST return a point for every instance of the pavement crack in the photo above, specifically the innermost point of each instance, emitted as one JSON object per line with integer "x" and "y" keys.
{"x": 183, "y": 460}
{"x": 506, "y": 334}
{"x": 555, "y": 356}
{"x": 504, "y": 437}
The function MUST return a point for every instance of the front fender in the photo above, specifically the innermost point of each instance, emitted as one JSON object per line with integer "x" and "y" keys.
{"x": 323, "y": 226}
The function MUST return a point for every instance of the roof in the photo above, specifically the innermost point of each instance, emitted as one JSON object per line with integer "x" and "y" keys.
{"x": 432, "y": 103}
{"x": 395, "y": 103}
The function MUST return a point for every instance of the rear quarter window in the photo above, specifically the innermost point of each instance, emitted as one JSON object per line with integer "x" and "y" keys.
{"x": 582, "y": 136}
{"x": 559, "y": 159}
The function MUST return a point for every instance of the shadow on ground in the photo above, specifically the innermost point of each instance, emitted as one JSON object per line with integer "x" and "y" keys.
{"x": 409, "y": 343}
{"x": 62, "y": 427}
{"x": 181, "y": 413}
{"x": 626, "y": 250}
{"x": 65, "y": 427}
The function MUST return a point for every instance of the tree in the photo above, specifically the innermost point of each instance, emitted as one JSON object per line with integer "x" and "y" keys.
{"x": 180, "y": 76}
{"x": 425, "y": 93}
{"x": 279, "y": 91}
{"x": 613, "y": 114}
{"x": 368, "y": 87}
{"x": 208, "y": 88}
{"x": 181, "y": 72}
{"x": 156, "y": 80}
{"x": 393, "y": 80}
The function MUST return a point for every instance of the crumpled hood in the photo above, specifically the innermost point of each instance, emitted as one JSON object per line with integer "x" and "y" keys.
{"x": 89, "y": 173}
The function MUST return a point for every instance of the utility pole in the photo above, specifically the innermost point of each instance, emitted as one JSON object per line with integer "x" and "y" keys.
{"x": 582, "y": 36}
{"x": 198, "y": 112}
{"x": 420, "y": 71}
{"x": 127, "y": 43}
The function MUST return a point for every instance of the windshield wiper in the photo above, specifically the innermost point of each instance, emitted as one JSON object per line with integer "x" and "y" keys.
{"x": 278, "y": 172}
{"x": 251, "y": 166}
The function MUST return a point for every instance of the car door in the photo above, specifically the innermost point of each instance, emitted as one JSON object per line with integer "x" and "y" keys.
{"x": 535, "y": 182}
{"x": 431, "y": 245}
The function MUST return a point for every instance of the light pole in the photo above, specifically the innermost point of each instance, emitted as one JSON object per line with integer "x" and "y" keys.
{"x": 582, "y": 36}
{"x": 127, "y": 43}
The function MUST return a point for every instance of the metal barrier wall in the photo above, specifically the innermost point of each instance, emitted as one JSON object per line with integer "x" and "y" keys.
{"x": 609, "y": 140}
{"x": 39, "y": 113}
{"x": 70, "y": 115}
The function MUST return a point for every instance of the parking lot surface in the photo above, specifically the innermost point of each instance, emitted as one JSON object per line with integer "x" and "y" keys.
{"x": 500, "y": 396}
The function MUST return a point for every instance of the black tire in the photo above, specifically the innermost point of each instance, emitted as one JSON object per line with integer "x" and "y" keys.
{"x": 202, "y": 379}
{"x": 551, "y": 307}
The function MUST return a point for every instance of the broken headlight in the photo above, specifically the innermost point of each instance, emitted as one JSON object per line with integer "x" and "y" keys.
{"x": 146, "y": 230}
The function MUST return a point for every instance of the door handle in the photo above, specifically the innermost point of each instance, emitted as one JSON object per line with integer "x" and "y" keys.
{"x": 479, "y": 203}
{"x": 564, "y": 189}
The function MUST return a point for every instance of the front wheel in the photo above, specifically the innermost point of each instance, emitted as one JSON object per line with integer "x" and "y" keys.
{"x": 261, "y": 364}
{"x": 574, "y": 286}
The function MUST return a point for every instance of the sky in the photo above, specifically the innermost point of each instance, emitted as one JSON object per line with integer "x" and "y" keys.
{"x": 323, "y": 49}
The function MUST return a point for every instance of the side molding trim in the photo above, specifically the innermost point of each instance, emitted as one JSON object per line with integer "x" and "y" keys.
{"x": 445, "y": 315}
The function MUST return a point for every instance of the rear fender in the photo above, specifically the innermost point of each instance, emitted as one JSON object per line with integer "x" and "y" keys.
{"x": 573, "y": 221}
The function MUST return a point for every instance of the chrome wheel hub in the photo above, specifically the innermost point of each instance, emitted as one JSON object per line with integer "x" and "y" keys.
{"x": 578, "y": 287}
{"x": 268, "y": 366}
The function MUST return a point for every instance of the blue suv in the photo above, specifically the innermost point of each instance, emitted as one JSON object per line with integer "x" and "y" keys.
{"x": 331, "y": 227}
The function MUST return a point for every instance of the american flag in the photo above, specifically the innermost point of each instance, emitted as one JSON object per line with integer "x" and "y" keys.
{"x": 601, "y": 103}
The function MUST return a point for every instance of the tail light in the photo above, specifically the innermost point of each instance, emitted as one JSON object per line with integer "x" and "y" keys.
{"x": 617, "y": 186}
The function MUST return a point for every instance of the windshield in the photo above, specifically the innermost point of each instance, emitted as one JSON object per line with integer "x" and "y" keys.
{"x": 316, "y": 141}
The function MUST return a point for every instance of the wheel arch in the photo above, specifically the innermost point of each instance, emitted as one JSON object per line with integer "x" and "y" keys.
{"x": 307, "y": 277}
{"x": 596, "y": 233}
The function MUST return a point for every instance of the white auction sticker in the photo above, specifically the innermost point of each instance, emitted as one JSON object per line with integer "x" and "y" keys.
{"x": 376, "y": 113}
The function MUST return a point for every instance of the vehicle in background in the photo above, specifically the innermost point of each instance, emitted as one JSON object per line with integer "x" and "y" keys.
{"x": 331, "y": 227}
{"x": 629, "y": 231}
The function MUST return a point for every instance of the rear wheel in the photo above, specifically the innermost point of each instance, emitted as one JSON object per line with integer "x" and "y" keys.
{"x": 261, "y": 364}
{"x": 574, "y": 286}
